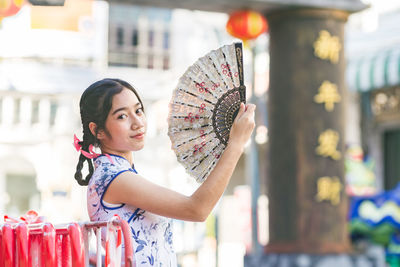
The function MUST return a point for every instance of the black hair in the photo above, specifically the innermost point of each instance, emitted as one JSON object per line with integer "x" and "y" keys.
{"x": 95, "y": 104}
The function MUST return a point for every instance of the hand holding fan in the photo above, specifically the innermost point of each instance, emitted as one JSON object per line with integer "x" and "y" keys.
{"x": 203, "y": 108}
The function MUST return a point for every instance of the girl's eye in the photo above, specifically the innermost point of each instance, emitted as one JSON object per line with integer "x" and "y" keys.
{"x": 139, "y": 111}
{"x": 122, "y": 116}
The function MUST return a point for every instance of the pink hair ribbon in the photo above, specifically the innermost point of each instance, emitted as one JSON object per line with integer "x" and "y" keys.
{"x": 109, "y": 158}
{"x": 91, "y": 154}
{"x": 77, "y": 146}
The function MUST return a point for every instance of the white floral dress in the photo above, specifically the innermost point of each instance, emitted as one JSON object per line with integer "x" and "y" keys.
{"x": 151, "y": 233}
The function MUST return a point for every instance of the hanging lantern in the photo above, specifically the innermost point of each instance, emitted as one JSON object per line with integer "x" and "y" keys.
{"x": 10, "y": 7}
{"x": 246, "y": 25}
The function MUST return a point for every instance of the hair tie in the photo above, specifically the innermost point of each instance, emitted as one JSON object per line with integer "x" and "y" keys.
{"x": 77, "y": 143}
{"x": 78, "y": 146}
{"x": 91, "y": 154}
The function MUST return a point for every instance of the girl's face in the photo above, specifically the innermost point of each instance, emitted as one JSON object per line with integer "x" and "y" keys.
{"x": 125, "y": 125}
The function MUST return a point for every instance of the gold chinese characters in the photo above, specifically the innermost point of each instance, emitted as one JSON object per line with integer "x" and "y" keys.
{"x": 328, "y": 189}
{"x": 328, "y": 141}
{"x": 327, "y": 47}
{"x": 327, "y": 94}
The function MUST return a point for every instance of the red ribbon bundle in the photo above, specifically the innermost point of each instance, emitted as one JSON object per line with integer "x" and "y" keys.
{"x": 29, "y": 218}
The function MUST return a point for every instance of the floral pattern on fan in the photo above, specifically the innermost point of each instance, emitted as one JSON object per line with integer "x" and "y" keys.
{"x": 203, "y": 108}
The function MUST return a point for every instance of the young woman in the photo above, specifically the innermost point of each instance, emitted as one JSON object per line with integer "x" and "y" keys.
{"x": 113, "y": 119}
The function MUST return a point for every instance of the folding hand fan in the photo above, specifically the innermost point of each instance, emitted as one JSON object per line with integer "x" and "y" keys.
{"x": 203, "y": 108}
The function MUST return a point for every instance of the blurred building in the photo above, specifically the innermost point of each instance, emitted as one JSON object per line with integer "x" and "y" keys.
{"x": 373, "y": 75}
{"x": 49, "y": 55}
{"x": 45, "y": 64}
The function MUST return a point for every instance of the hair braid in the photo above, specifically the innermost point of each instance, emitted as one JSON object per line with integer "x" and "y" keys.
{"x": 78, "y": 173}
{"x": 88, "y": 139}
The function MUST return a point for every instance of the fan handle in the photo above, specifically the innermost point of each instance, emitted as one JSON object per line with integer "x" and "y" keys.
{"x": 239, "y": 59}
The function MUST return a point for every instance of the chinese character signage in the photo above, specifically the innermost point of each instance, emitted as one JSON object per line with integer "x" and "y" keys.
{"x": 327, "y": 47}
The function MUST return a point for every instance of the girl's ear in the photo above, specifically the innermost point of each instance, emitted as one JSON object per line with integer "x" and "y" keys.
{"x": 93, "y": 129}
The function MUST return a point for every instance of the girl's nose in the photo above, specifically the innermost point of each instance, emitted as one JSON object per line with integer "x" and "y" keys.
{"x": 137, "y": 122}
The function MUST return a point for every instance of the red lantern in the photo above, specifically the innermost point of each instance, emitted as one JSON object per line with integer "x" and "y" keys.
{"x": 246, "y": 25}
{"x": 10, "y": 7}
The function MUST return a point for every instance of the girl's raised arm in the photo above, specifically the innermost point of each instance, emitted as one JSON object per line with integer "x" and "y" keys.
{"x": 132, "y": 189}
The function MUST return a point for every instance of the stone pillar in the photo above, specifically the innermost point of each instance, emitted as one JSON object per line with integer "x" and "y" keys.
{"x": 307, "y": 200}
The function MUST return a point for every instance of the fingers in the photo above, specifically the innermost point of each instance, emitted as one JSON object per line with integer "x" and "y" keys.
{"x": 250, "y": 108}
{"x": 249, "y": 114}
{"x": 243, "y": 125}
{"x": 242, "y": 109}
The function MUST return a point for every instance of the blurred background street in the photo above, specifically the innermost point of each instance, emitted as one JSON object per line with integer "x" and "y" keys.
{"x": 50, "y": 54}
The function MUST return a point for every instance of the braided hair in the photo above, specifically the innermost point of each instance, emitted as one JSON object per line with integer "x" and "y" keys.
{"x": 95, "y": 104}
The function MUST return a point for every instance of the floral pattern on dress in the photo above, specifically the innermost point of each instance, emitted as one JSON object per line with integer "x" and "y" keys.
{"x": 151, "y": 233}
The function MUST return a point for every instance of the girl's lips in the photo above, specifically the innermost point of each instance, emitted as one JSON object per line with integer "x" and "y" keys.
{"x": 139, "y": 136}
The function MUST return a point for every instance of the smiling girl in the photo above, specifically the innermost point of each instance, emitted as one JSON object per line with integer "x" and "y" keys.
{"x": 114, "y": 120}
